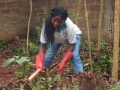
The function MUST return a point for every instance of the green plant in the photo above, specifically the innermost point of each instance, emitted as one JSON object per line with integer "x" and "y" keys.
{"x": 33, "y": 48}
{"x": 38, "y": 32}
{"x": 22, "y": 62}
{"x": 75, "y": 87}
{"x": 104, "y": 63}
{"x": 86, "y": 65}
{"x": 103, "y": 43}
{"x": 97, "y": 68}
{"x": 115, "y": 87}
{"x": 44, "y": 83}
{"x": 84, "y": 45}
{"x": 93, "y": 46}
{"x": 2, "y": 44}
{"x": 21, "y": 50}
{"x": 2, "y": 84}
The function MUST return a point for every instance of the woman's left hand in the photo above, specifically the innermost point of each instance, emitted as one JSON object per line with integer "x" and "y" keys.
{"x": 60, "y": 67}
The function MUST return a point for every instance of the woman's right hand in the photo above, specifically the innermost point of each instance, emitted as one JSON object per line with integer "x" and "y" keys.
{"x": 40, "y": 62}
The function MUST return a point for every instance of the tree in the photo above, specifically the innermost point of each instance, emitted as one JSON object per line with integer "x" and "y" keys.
{"x": 116, "y": 41}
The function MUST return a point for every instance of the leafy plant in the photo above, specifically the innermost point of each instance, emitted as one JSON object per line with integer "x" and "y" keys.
{"x": 44, "y": 83}
{"x": 115, "y": 87}
{"x": 38, "y": 32}
{"x": 104, "y": 64}
{"x": 103, "y": 43}
{"x": 86, "y": 65}
{"x": 33, "y": 48}
{"x": 25, "y": 61}
{"x": 104, "y": 61}
{"x": 75, "y": 87}
{"x": 2, "y": 44}
{"x": 2, "y": 84}
{"x": 84, "y": 45}
{"x": 21, "y": 50}
{"x": 97, "y": 68}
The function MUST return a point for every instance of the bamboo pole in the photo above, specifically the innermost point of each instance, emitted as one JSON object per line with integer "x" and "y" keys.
{"x": 87, "y": 22}
{"x": 100, "y": 24}
{"x": 78, "y": 10}
{"x": 29, "y": 28}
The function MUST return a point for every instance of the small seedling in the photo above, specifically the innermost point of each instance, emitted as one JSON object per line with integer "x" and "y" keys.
{"x": 22, "y": 62}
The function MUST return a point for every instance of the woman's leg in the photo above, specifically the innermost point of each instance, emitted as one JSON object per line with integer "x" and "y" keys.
{"x": 50, "y": 53}
{"x": 76, "y": 60}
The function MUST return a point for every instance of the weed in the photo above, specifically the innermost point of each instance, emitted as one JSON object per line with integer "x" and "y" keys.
{"x": 2, "y": 44}
{"x": 37, "y": 34}
{"x": 21, "y": 50}
{"x": 75, "y": 87}
{"x": 44, "y": 83}
{"x": 115, "y": 87}
{"x": 25, "y": 61}
{"x": 104, "y": 61}
{"x": 33, "y": 48}
{"x": 2, "y": 84}
{"x": 85, "y": 47}
{"x": 103, "y": 43}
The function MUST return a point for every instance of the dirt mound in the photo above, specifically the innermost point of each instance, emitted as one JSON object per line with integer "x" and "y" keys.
{"x": 91, "y": 82}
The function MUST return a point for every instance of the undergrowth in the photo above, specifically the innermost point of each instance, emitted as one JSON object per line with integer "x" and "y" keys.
{"x": 102, "y": 62}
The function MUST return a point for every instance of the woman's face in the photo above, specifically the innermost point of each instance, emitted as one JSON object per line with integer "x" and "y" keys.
{"x": 57, "y": 21}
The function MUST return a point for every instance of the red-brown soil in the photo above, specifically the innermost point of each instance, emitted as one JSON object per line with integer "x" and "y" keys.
{"x": 7, "y": 76}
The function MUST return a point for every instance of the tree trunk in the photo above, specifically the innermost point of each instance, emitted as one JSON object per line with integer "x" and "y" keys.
{"x": 116, "y": 41}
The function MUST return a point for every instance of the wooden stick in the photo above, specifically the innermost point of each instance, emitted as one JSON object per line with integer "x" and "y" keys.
{"x": 29, "y": 28}
{"x": 34, "y": 74}
{"x": 89, "y": 45}
{"x": 78, "y": 11}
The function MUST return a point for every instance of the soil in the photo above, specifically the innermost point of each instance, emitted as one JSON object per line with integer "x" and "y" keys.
{"x": 8, "y": 78}
{"x": 7, "y": 73}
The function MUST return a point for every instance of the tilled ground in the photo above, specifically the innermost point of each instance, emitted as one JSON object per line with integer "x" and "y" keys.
{"x": 6, "y": 74}
{"x": 8, "y": 78}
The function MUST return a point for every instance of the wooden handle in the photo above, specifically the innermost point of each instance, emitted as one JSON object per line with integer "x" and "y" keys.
{"x": 34, "y": 74}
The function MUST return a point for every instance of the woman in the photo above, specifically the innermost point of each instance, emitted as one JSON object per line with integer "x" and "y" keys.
{"x": 56, "y": 30}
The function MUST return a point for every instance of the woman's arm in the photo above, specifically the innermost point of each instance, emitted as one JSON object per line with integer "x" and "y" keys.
{"x": 40, "y": 58}
{"x": 66, "y": 58}
{"x": 42, "y": 49}
{"x": 71, "y": 47}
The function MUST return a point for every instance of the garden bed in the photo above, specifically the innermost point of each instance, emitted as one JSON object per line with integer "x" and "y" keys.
{"x": 67, "y": 81}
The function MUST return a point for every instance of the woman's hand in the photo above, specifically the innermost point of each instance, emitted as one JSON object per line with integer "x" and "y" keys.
{"x": 40, "y": 62}
{"x": 60, "y": 67}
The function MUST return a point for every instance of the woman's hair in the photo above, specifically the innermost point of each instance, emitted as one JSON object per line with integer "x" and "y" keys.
{"x": 49, "y": 29}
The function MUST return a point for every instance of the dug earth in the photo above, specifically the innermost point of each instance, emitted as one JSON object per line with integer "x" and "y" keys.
{"x": 6, "y": 74}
